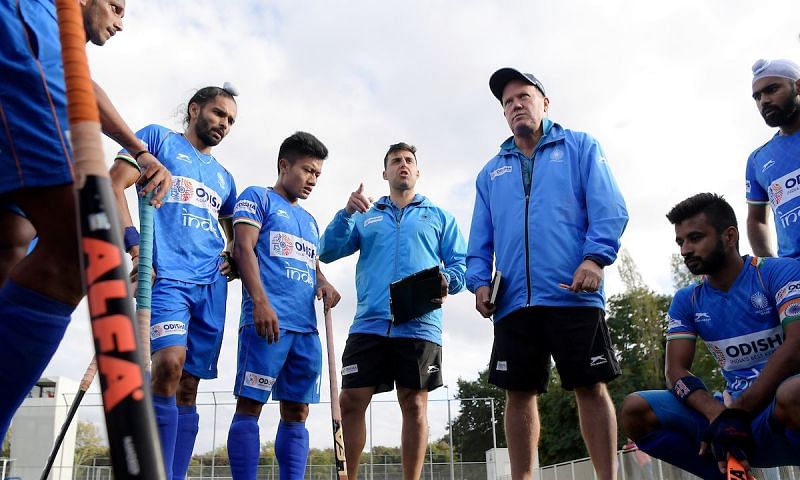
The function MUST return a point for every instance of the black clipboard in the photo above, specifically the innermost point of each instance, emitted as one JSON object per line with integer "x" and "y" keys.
{"x": 410, "y": 297}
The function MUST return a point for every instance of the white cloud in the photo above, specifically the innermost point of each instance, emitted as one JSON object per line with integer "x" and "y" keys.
{"x": 664, "y": 87}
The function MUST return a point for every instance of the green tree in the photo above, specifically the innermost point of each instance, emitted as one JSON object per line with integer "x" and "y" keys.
{"x": 472, "y": 427}
{"x": 88, "y": 444}
{"x": 6, "y": 450}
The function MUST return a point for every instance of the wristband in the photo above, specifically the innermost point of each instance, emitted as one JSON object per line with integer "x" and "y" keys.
{"x": 687, "y": 385}
{"x": 130, "y": 237}
{"x": 139, "y": 154}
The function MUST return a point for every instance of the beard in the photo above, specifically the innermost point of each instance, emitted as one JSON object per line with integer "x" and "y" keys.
{"x": 709, "y": 265}
{"x": 203, "y": 131}
{"x": 784, "y": 114}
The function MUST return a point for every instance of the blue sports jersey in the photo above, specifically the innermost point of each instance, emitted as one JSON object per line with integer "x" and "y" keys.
{"x": 773, "y": 176}
{"x": 743, "y": 326}
{"x": 34, "y": 137}
{"x": 187, "y": 239}
{"x": 288, "y": 242}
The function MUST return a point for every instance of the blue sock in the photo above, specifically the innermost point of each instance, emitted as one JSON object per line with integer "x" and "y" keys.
{"x": 167, "y": 421}
{"x": 31, "y": 327}
{"x": 243, "y": 446}
{"x": 680, "y": 450}
{"x": 291, "y": 449}
{"x": 188, "y": 421}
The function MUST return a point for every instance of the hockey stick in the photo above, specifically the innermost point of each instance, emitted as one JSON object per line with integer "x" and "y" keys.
{"x": 143, "y": 292}
{"x": 130, "y": 422}
{"x": 336, "y": 411}
{"x": 85, "y": 382}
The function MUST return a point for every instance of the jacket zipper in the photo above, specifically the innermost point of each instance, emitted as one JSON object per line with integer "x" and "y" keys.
{"x": 396, "y": 253}
{"x": 527, "y": 246}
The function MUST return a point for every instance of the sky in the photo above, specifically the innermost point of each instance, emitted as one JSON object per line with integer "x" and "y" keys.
{"x": 664, "y": 87}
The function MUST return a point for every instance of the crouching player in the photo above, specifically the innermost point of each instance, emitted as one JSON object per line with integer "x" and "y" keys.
{"x": 746, "y": 310}
{"x": 275, "y": 246}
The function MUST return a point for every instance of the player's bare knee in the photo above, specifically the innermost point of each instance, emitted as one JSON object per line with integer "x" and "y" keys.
{"x": 187, "y": 389}
{"x": 167, "y": 369}
{"x": 637, "y": 417}
{"x": 247, "y": 406}
{"x": 413, "y": 403}
{"x": 294, "y": 412}
{"x": 354, "y": 402}
{"x": 787, "y": 403}
{"x": 596, "y": 391}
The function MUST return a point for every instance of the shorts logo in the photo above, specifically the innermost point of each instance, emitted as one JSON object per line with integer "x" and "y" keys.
{"x": 502, "y": 365}
{"x": 433, "y": 368}
{"x": 598, "y": 360}
{"x": 350, "y": 369}
{"x": 372, "y": 220}
{"x": 164, "y": 329}
{"x": 283, "y": 213}
{"x": 500, "y": 171}
{"x": 701, "y": 317}
{"x": 261, "y": 382}
{"x": 245, "y": 206}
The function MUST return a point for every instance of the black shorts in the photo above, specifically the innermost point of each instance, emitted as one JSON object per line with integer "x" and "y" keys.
{"x": 576, "y": 337}
{"x": 380, "y": 362}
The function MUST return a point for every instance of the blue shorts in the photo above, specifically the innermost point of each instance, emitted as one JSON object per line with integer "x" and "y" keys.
{"x": 772, "y": 447}
{"x": 34, "y": 150}
{"x": 289, "y": 369}
{"x": 190, "y": 315}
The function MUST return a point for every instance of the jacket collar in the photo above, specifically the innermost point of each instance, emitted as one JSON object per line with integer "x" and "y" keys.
{"x": 552, "y": 132}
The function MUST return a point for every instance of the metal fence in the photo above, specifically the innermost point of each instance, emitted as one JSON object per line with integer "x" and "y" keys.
{"x": 646, "y": 468}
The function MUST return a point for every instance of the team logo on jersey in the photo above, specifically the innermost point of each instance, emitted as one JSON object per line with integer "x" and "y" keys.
{"x": 790, "y": 217}
{"x": 282, "y": 213}
{"x": 193, "y": 192}
{"x": 767, "y": 165}
{"x": 717, "y": 353}
{"x": 701, "y": 317}
{"x": 672, "y": 322}
{"x": 500, "y": 171}
{"x": 261, "y": 382}
{"x": 372, "y": 220}
{"x": 183, "y": 157}
{"x": 746, "y": 351}
{"x": 557, "y": 155}
{"x": 287, "y": 245}
{"x": 759, "y": 301}
{"x": 245, "y": 206}
{"x": 199, "y": 222}
{"x": 165, "y": 329}
{"x": 785, "y": 188}
{"x": 300, "y": 274}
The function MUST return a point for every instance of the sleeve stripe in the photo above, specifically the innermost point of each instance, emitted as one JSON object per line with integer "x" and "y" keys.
{"x": 246, "y": 220}
{"x": 126, "y": 157}
{"x": 758, "y": 202}
{"x": 788, "y": 320}
{"x": 681, "y": 335}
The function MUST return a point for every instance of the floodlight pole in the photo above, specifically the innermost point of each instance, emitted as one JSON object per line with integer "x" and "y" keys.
{"x": 450, "y": 429}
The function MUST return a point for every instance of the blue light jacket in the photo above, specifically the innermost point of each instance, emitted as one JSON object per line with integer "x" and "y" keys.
{"x": 395, "y": 243}
{"x": 574, "y": 211}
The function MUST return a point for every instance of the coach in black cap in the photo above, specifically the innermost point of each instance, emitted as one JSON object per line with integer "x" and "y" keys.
{"x": 549, "y": 216}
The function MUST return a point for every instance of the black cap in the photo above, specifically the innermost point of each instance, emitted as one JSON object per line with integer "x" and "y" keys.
{"x": 500, "y": 79}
